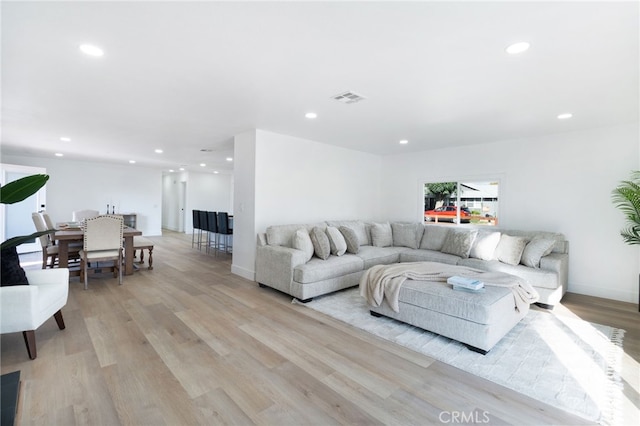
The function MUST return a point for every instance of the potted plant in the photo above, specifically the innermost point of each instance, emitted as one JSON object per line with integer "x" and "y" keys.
{"x": 627, "y": 198}
{"x": 11, "y": 193}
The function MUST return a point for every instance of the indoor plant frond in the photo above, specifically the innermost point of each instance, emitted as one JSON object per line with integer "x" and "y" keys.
{"x": 626, "y": 197}
{"x": 19, "y": 190}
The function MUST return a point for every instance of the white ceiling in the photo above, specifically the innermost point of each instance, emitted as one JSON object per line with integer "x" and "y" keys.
{"x": 185, "y": 76}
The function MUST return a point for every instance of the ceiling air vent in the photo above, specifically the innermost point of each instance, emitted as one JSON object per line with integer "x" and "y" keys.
{"x": 348, "y": 98}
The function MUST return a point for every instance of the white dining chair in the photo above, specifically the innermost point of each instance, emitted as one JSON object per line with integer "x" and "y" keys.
{"x": 102, "y": 242}
{"x": 49, "y": 250}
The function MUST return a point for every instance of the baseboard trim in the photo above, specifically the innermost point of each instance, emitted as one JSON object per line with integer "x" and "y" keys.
{"x": 243, "y": 272}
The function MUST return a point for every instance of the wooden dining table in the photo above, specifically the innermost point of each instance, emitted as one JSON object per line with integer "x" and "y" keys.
{"x": 66, "y": 236}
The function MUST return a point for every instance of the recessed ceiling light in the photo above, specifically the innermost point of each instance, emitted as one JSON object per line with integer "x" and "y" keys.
{"x": 404, "y": 142}
{"x": 91, "y": 50}
{"x": 171, "y": 170}
{"x": 565, "y": 116}
{"x": 181, "y": 169}
{"x": 202, "y": 165}
{"x": 59, "y": 154}
{"x": 159, "y": 151}
{"x": 65, "y": 139}
{"x": 229, "y": 159}
{"x": 216, "y": 172}
{"x": 311, "y": 115}
{"x": 132, "y": 161}
{"x": 516, "y": 48}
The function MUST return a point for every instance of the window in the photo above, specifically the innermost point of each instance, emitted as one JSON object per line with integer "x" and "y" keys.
{"x": 474, "y": 202}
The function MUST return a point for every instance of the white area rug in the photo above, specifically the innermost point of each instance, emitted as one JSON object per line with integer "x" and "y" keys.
{"x": 568, "y": 363}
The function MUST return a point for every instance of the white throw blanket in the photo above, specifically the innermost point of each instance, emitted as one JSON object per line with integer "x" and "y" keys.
{"x": 384, "y": 281}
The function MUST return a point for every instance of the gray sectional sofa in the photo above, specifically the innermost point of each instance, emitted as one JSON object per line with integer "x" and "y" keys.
{"x": 285, "y": 260}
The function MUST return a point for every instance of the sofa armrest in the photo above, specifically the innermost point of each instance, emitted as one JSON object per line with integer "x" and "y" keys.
{"x": 558, "y": 263}
{"x": 275, "y": 264}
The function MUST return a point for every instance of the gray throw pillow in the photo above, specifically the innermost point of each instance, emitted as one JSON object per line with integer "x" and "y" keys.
{"x": 351, "y": 238}
{"x": 337, "y": 243}
{"x": 459, "y": 242}
{"x": 381, "y": 234}
{"x": 320, "y": 241}
{"x": 510, "y": 249}
{"x": 535, "y": 250}
{"x": 407, "y": 234}
{"x": 433, "y": 237}
{"x": 302, "y": 241}
{"x": 485, "y": 245}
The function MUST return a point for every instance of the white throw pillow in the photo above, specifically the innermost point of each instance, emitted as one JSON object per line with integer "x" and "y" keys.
{"x": 459, "y": 242}
{"x": 302, "y": 241}
{"x": 381, "y": 234}
{"x": 337, "y": 243}
{"x": 535, "y": 250}
{"x": 485, "y": 245}
{"x": 510, "y": 249}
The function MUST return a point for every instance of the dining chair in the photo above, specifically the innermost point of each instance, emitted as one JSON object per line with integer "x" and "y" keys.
{"x": 224, "y": 230}
{"x": 49, "y": 250}
{"x": 80, "y": 215}
{"x": 26, "y": 307}
{"x": 103, "y": 236}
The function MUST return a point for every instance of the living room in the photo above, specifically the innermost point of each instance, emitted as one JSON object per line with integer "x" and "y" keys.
{"x": 558, "y": 177}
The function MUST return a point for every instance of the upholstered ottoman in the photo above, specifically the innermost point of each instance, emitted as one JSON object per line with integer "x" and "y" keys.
{"x": 479, "y": 320}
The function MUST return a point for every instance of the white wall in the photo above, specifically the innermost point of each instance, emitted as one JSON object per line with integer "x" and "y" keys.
{"x": 559, "y": 182}
{"x": 207, "y": 191}
{"x": 299, "y": 181}
{"x": 77, "y": 185}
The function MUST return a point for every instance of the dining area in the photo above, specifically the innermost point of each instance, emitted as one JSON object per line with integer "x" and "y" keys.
{"x": 91, "y": 243}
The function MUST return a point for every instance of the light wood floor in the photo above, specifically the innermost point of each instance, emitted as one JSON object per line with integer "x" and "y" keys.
{"x": 190, "y": 343}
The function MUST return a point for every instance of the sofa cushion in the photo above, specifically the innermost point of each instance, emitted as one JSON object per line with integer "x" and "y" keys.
{"x": 428, "y": 256}
{"x": 372, "y": 255}
{"x": 433, "y": 237}
{"x": 318, "y": 270}
{"x": 484, "y": 246}
{"x": 337, "y": 242}
{"x": 459, "y": 241}
{"x": 351, "y": 238}
{"x": 302, "y": 241}
{"x": 381, "y": 234}
{"x": 407, "y": 234}
{"x": 510, "y": 249}
{"x": 358, "y": 226}
{"x": 282, "y": 235}
{"x": 535, "y": 250}
{"x": 320, "y": 241}
{"x": 536, "y": 277}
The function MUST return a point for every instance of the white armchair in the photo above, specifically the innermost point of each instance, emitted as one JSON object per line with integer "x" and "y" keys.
{"x": 26, "y": 307}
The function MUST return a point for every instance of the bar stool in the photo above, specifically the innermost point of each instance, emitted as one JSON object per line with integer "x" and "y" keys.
{"x": 212, "y": 221}
{"x": 224, "y": 230}
{"x": 196, "y": 225}
{"x": 204, "y": 226}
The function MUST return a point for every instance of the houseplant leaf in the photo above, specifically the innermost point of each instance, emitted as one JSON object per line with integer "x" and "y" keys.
{"x": 16, "y": 241}
{"x": 22, "y": 188}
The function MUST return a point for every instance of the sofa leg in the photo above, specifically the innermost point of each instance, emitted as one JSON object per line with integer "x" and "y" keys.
{"x": 474, "y": 349}
{"x": 306, "y": 300}
{"x": 262, "y": 285}
{"x": 544, "y": 306}
{"x": 375, "y": 314}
